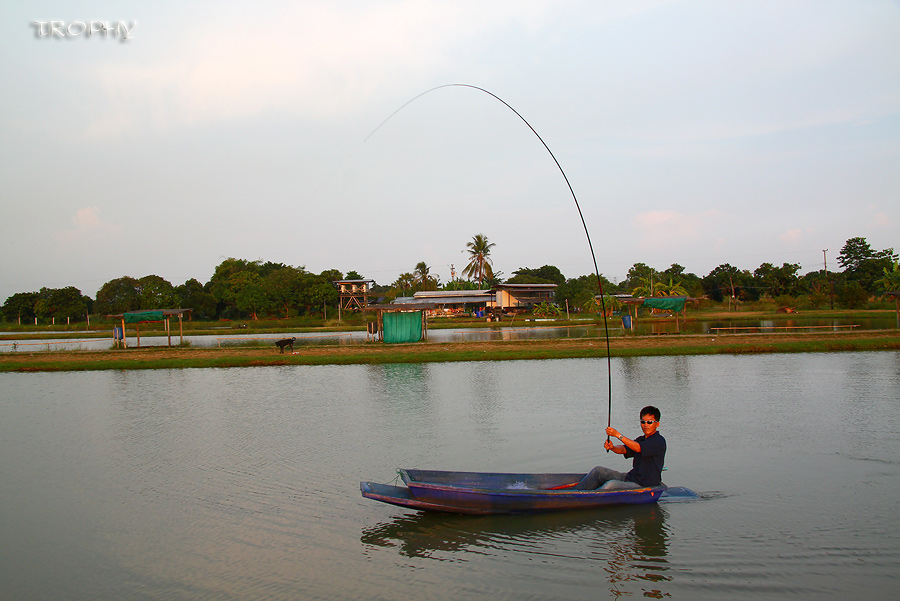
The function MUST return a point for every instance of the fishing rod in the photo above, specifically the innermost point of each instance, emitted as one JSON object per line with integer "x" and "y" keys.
{"x": 577, "y": 206}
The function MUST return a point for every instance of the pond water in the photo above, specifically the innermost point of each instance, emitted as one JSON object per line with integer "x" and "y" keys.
{"x": 244, "y": 483}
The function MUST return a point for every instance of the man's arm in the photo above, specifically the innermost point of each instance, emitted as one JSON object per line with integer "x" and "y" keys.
{"x": 629, "y": 444}
{"x": 609, "y": 446}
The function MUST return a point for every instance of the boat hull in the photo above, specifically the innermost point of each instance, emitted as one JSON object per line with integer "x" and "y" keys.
{"x": 402, "y": 497}
{"x": 480, "y": 493}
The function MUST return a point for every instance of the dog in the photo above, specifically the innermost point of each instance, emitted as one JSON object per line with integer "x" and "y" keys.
{"x": 285, "y": 342}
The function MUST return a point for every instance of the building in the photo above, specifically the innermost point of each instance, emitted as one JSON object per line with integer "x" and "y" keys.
{"x": 503, "y": 297}
{"x": 526, "y": 296}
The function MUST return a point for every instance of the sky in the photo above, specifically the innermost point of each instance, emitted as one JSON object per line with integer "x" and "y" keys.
{"x": 691, "y": 132}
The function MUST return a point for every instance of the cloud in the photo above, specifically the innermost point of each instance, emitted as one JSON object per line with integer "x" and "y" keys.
{"x": 795, "y": 234}
{"x": 880, "y": 220}
{"x": 318, "y": 61}
{"x": 660, "y": 229}
{"x": 88, "y": 226}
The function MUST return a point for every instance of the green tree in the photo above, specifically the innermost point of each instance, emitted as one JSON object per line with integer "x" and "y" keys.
{"x": 284, "y": 287}
{"x": 596, "y": 305}
{"x": 545, "y": 309}
{"x": 670, "y": 288}
{"x": 424, "y": 280}
{"x": 192, "y": 295}
{"x": 222, "y": 286}
{"x": 268, "y": 267}
{"x": 404, "y": 284}
{"x": 862, "y": 264}
{"x": 495, "y": 278}
{"x": 818, "y": 288}
{"x": 890, "y": 281}
{"x": 156, "y": 292}
{"x": 777, "y": 281}
{"x": 20, "y": 306}
{"x": 639, "y": 275}
{"x": 726, "y": 281}
{"x": 218, "y": 284}
{"x": 581, "y": 291}
{"x": 60, "y": 303}
{"x": 461, "y": 285}
{"x": 118, "y": 296}
{"x": 548, "y": 274}
{"x": 319, "y": 292}
{"x": 479, "y": 267}
{"x": 649, "y": 285}
{"x": 689, "y": 281}
{"x": 246, "y": 293}
{"x": 852, "y": 295}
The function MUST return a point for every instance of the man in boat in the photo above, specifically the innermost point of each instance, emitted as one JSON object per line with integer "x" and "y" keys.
{"x": 648, "y": 451}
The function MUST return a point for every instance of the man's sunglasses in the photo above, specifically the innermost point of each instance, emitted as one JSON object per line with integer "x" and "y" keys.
{"x": 647, "y": 422}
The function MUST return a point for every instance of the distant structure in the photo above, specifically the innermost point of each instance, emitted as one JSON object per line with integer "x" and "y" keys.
{"x": 501, "y": 298}
{"x": 354, "y": 294}
{"x": 149, "y": 316}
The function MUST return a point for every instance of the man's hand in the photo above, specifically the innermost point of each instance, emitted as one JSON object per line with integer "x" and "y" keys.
{"x": 608, "y": 446}
{"x": 613, "y": 432}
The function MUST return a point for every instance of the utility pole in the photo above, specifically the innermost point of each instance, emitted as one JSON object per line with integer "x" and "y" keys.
{"x": 831, "y": 284}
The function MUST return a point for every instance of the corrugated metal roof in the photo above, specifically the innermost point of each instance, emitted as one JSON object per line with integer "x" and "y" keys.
{"x": 525, "y": 286}
{"x": 458, "y": 296}
{"x": 440, "y": 294}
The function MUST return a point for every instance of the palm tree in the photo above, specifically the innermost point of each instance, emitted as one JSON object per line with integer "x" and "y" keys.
{"x": 594, "y": 305}
{"x": 671, "y": 289}
{"x": 423, "y": 277}
{"x": 891, "y": 280}
{"x": 479, "y": 267}
{"x": 404, "y": 283}
{"x": 646, "y": 286}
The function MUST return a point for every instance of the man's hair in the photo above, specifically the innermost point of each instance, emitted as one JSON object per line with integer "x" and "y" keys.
{"x": 650, "y": 410}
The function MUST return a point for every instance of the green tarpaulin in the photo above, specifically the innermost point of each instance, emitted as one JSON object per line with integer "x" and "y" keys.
{"x": 665, "y": 304}
{"x": 402, "y": 326}
{"x": 143, "y": 316}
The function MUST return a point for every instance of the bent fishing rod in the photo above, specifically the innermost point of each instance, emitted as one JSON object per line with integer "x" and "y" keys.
{"x": 577, "y": 206}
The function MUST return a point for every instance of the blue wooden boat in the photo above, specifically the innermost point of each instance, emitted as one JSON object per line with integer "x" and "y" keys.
{"x": 481, "y": 493}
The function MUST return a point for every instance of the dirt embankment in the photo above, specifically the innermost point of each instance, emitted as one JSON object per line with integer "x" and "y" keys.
{"x": 162, "y": 357}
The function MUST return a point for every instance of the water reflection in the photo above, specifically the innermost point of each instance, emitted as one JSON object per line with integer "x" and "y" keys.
{"x": 401, "y": 394}
{"x": 632, "y": 542}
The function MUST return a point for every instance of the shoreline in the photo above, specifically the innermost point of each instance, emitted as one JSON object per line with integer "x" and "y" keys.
{"x": 428, "y": 352}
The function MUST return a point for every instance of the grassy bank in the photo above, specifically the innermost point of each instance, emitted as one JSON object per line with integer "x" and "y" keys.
{"x": 374, "y": 353}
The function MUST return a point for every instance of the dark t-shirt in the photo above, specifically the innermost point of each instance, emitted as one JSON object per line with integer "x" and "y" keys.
{"x": 648, "y": 464}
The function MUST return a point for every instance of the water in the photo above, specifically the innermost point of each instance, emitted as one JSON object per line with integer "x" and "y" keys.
{"x": 243, "y": 483}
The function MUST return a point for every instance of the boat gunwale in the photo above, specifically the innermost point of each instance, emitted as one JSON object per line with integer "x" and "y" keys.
{"x": 533, "y": 491}
{"x": 412, "y": 483}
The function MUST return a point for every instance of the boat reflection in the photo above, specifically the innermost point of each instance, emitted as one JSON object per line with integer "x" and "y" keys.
{"x": 631, "y": 540}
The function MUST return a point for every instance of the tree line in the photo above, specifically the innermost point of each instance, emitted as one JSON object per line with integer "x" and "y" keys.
{"x": 242, "y": 289}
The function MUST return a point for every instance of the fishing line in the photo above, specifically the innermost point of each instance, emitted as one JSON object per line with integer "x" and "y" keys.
{"x": 577, "y": 206}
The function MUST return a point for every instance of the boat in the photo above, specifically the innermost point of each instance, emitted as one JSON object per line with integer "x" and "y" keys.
{"x": 484, "y": 493}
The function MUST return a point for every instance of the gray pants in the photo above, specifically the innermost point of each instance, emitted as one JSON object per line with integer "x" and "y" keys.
{"x": 603, "y": 476}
